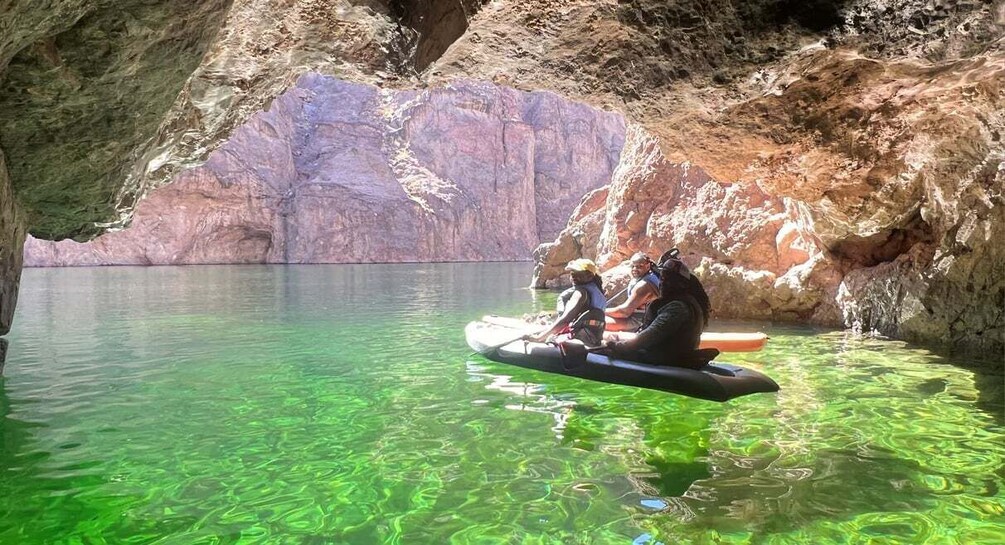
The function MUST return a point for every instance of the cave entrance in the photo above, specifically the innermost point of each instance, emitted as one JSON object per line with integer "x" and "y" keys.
{"x": 438, "y": 23}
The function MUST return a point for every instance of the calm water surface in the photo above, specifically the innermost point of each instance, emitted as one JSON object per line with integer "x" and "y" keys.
{"x": 339, "y": 404}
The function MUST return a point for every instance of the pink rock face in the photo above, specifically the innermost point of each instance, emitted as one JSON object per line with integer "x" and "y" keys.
{"x": 337, "y": 172}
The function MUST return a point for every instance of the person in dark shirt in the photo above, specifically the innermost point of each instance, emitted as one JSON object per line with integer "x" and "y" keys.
{"x": 673, "y": 323}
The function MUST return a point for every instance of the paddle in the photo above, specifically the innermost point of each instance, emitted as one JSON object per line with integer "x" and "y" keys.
{"x": 497, "y": 346}
{"x": 616, "y": 295}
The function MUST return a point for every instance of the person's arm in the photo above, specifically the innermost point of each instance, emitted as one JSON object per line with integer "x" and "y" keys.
{"x": 565, "y": 317}
{"x": 668, "y": 322}
{"x": 638, "y": 297}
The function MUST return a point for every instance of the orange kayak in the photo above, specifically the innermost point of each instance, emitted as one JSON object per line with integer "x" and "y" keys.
{"x": 724, "y": 342}
{"x": 733, "y": 342}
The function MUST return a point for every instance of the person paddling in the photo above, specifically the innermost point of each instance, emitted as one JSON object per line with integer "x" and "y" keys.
{"x": 581, "y": 308}
{"x": 673, "y": 323}
{"x": 642, "y": 290}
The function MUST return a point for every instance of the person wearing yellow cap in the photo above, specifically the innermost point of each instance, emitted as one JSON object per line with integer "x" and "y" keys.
{"x": 581, "y": 311}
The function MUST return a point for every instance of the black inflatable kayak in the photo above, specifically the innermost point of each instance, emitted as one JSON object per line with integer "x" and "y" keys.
{"x": 714, "y": 381}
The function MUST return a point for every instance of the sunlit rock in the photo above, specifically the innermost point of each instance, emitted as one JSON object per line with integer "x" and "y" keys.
{"x": 746, "y": 246}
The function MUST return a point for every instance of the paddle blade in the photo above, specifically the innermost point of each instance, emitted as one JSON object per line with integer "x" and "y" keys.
{"x": 484, "y": 338}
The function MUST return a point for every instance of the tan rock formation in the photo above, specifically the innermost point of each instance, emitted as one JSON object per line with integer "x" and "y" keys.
{"x": 337, "y": 172}
{"x": 876, "y": 160}
{"x": 863, "y": 151}
{"x": 752, "y": 250}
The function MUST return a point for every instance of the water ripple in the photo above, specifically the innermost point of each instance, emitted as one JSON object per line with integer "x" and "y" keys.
{"x": 339, "y": 405}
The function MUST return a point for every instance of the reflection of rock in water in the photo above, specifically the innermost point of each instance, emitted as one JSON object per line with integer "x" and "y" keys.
{"x": 991, "y": 397}
{"x": 3, "y": 353}
{"x": 669, "y": 479}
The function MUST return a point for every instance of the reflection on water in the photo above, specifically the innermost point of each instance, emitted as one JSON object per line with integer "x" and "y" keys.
{"x": 339, "y": 404}
{"x": 3, "y": 354}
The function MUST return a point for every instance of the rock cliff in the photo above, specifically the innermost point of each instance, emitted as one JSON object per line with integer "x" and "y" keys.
{"x": 336, "y": 172}
{"x": 894, "y": 184}
{"x": 857, "y": 143}
{"x": 12, "y": 235}
{"x": 868, "y": 127}
{"x": 753, "y": 251}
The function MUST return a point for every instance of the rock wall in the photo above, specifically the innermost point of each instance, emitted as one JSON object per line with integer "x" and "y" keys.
{"x": 754, "y": 252}
{"x": 874, "y": 156}
{"x": 84, "y": 87}
{"x": 12, "y": 235}
{"x": 865, "y": 134}
{"x": 895, "y": 170}
{"x": 338, "y": 172}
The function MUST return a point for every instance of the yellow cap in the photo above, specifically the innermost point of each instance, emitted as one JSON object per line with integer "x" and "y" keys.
{"x": 582, "y": 265}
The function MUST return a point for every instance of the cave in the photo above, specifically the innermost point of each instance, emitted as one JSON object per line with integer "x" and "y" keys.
{"x": 78, "y": 105}
{"x": 884, "y": 246}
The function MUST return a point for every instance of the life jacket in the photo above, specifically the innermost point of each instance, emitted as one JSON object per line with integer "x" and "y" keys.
{"x": 588, "y": 322}
{"x": 636, "y": 283}
{"x": 648, "y": 277}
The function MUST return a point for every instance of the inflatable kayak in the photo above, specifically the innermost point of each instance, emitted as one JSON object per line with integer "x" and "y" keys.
{"x": 723, "y": 342}
{"x": 713, "y": 381}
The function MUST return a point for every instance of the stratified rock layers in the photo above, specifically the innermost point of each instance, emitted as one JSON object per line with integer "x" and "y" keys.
{"x": 338, "y": 172}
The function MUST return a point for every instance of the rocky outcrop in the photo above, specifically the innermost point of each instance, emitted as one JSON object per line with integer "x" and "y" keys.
{"x": 338, "y": 172}
{"x": 12, "y": 234}
{"x": 753, "y": 251}
{"x": 867, "y": 153}
{"x": 85, "y": 86}
{"x": 877, "y": 160}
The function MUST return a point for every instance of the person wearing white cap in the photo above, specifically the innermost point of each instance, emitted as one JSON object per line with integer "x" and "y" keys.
{"x": 642, "y": 290}
{"x": 581, "y": 316}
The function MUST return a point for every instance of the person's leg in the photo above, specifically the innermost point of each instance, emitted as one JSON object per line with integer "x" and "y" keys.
{"x": 617, "y": 324}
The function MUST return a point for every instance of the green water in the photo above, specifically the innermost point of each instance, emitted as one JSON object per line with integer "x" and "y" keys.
{"x": 339, "y": 404}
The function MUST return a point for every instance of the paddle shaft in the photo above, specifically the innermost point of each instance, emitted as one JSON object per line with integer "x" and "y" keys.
{"x": 616, "y": 295}
{"x": 497, "y": 346}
